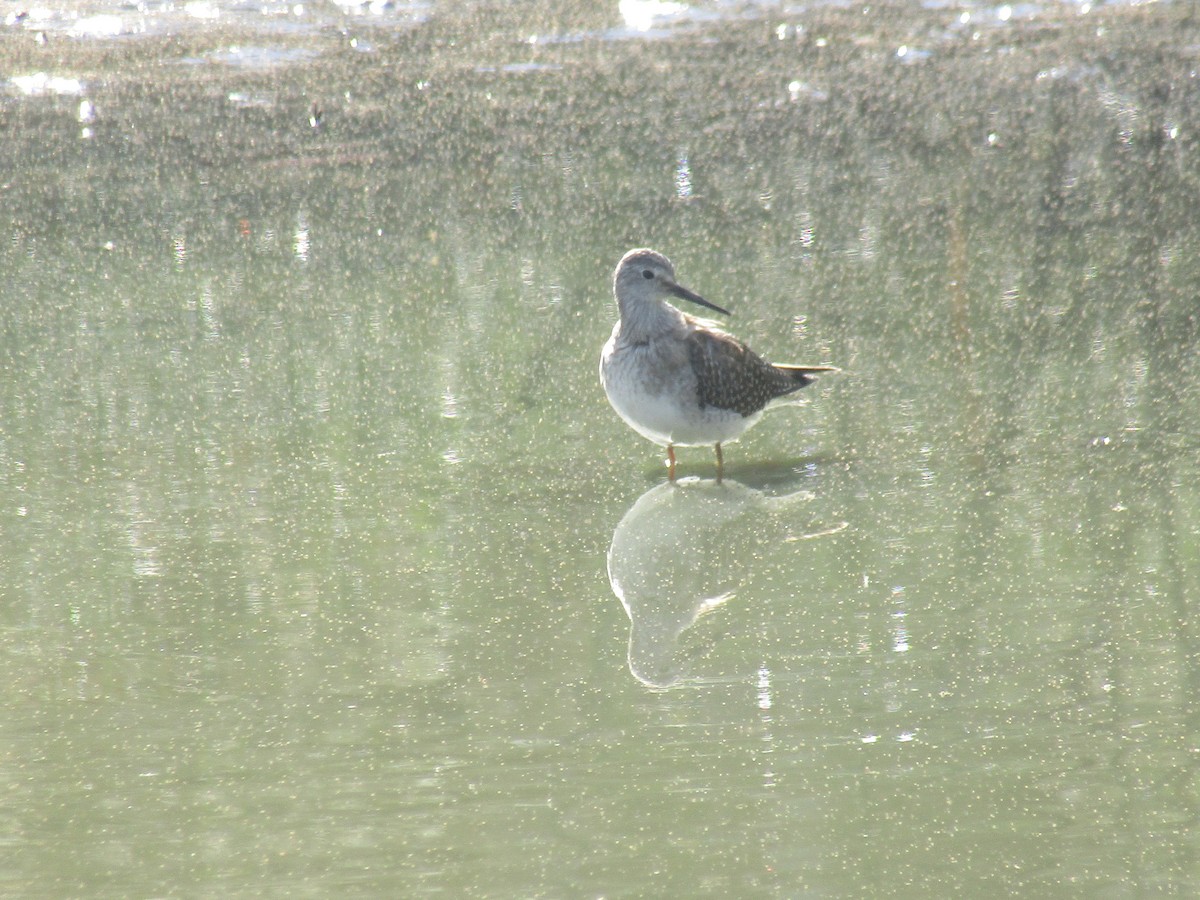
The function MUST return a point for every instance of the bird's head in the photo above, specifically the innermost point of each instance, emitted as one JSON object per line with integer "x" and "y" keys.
{"x": 646, "y": 275}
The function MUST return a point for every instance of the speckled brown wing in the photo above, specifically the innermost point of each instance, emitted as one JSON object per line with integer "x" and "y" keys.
{"x": 729, "y": 375}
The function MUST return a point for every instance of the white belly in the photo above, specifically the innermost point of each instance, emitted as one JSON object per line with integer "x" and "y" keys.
{"x": 661, "y": 402}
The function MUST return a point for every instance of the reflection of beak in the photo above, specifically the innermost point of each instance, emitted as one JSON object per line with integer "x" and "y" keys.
{"x": 680, "y": 291}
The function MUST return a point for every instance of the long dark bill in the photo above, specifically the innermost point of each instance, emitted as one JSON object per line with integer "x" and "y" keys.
{"x": 680, "y": 291}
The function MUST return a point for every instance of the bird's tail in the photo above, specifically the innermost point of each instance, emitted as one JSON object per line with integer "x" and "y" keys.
{"x": 807, "y": 370}
{"x": 801, "y": 375}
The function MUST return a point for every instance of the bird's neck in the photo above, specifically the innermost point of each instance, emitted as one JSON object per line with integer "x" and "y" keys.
{"x": 643, "y": 321}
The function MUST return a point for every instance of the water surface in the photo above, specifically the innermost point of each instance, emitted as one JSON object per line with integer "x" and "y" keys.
{"x": 326, "y": 565}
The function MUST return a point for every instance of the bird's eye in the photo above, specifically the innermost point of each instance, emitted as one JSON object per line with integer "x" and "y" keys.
{"x": 646, "y": 273}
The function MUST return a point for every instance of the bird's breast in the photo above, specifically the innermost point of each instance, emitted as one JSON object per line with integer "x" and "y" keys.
{"x": 652, "y": 386}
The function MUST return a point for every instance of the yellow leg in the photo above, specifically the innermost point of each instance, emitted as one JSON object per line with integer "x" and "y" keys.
{"x": 671, "y": 463}
{"x": 720, "y": 464}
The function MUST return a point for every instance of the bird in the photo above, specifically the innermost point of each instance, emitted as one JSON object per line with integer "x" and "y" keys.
{"x": 680, "y": 380}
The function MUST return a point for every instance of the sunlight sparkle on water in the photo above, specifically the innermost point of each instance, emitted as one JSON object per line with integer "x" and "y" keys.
{"x": 642, "y": 15}
{"x": 449, "y": 405}
{"x": 899, "y": 629}
{"x": 300, "y": 239}
{"x": 683, "y": 178}
{"x": 202, "y": 9}
{"x": 40, "y": 83}
{"x": 764, "y": 688}
{"x": 99, "y": 26}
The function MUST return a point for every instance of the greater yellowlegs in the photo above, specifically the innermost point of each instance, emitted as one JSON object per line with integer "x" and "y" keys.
{"x": 679, "y": 380}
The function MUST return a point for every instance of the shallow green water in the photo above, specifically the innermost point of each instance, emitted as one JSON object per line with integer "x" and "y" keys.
{"x": 326, "y": 566}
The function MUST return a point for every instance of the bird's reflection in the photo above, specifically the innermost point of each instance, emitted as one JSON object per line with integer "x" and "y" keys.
{"x": 680, "y": 552}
